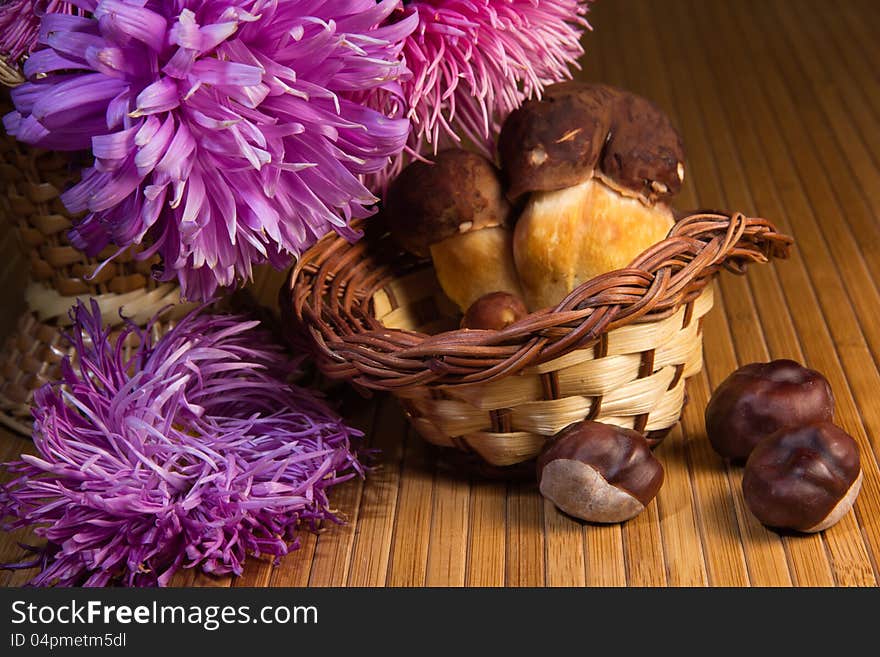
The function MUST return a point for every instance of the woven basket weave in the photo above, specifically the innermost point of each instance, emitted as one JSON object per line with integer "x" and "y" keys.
{"x": 618, "y": 349}
{"x": 32, "y": 357}
{"x": 32, "y": 182}
{"x": 10, "y": 76}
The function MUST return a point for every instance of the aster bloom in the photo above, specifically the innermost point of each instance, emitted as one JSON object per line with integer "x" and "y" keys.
{"x": 224, "y": 131}
{"x": 191, "y": 452}
{"x": 20, "y": 23}
{"x": 475, "y": 61}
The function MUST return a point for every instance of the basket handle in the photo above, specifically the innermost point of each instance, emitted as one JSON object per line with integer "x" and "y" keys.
{"x": 669, "y": 273}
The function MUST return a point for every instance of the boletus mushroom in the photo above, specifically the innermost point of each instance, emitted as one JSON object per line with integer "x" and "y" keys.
{"x": 599, "y": 472}
{"x": 454, "y": 210}
{"x": 598, "y": 165}
{"x": 759, "y": 399}
{"x": 804, "y": 478}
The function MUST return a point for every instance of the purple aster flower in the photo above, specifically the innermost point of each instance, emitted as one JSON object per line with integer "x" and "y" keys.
{"x": 191, "y": 452}
{"x": 475, "y": 61}
{"x": 20, "y": 23}
{"x": 224, "y": 131}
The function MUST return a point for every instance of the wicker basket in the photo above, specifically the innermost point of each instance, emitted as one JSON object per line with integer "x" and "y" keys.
{"x": 31, "y": 357}
{"x": 618, "y": 349}
{"x": 10, "y": 76}
{"x": 59, "y": 274}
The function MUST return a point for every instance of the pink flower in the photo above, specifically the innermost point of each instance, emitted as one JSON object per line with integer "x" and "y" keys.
{"x": 193, "y": 452}
{"x": 475, "y": 61}
{"x": 20, "y": 23}
{"x": 224, "y": 131}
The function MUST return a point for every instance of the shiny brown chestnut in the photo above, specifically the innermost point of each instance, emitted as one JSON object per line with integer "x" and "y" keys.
{"x": 761, "y": 398}
{"x": 803, "y": 478}
{"x": 599, "y": 472}
{"x": 494, "y": 311}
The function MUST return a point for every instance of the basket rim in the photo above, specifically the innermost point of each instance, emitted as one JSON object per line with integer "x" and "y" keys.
{"x": 329, "y": 290}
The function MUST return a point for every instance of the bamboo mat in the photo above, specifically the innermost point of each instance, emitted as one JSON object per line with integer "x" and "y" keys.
{"x": 779, "y": 104}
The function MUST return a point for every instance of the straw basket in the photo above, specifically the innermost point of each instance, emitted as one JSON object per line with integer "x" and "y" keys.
{"x": 618, "y": 349}
{"x": 59, "y": 274}
{"x": 10, "y": 75}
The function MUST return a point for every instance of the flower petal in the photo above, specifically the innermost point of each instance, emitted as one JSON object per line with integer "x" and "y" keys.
{"x": 128, "y": 20}
{"x": 73, "y": 99}
{"x": 52, "y": 23}
{"x": 123, "y": 183}
{"x": 73, "y": 45}
{"x": 117, "y": 110}
{"x": 47, "y": 61}
{"x": 160, "y": 96}
{"x": 195, "y": 199}
{"x": 114, "y": 146}
{"x": 214, "y": 71}
{"x": 155, "y": 140}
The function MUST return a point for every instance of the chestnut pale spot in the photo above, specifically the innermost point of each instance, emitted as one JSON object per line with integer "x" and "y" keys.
{"x": 840, "y": 509}
{"x": 579, "y": 490}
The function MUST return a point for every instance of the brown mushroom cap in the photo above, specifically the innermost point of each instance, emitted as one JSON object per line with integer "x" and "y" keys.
{"x": 599, "y": 472}
{"x": 580, "y": 130}
{"x": 804, "y": 478}
{"x": 430, "y": 202}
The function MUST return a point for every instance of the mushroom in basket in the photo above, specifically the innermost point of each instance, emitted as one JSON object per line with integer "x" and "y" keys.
{"x": 598, "y": 164}
{"x": 454, "y": 210}
{"x": 586, "y": 177}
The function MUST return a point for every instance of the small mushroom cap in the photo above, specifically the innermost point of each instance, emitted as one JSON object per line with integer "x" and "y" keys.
{"x": 430, "y": 202}
{"x": 759, "y": 399}
{"x": 580, "y": 130}
{"x": 599, "y": 472}
{"x": 804, "y": 478}
{"x": 494, "y": 311}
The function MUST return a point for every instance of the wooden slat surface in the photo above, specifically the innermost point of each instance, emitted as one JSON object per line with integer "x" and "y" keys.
{"x": 779, "y": 105}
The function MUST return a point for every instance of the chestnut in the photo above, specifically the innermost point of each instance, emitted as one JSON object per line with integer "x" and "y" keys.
{"x": 599, "y": 472}
{"x": 494, "y": 311}
{"x": 761, "y": 398}
{"x": 804, "y": 478}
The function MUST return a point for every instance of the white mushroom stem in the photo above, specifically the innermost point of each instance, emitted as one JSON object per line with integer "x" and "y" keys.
{"x": 474, "y": 263}
{"x": 566, "y": 237}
